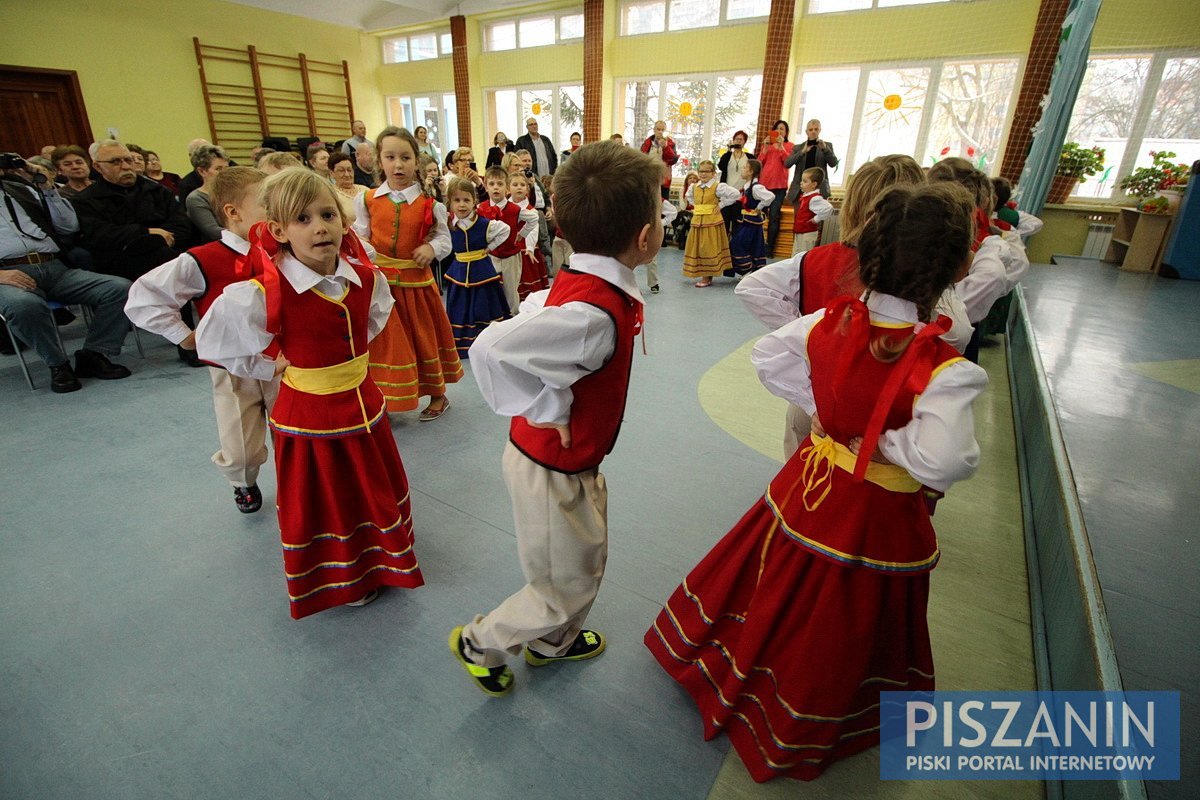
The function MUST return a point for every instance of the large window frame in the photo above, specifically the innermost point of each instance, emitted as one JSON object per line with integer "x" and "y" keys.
{"x": 551, "y": 122}
{"x": 851, "y": 158}
{"x": 719, "y": 20}
{"x": 488, "y": 29}
{"x": 402, "y": 49}
{"x": 412, "y": 110}
{"x": 815, "y": 7}
{"x": 1137, "y": 144}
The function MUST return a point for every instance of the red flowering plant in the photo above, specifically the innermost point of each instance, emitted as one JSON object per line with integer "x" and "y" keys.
{"x": 1161, "y": 174}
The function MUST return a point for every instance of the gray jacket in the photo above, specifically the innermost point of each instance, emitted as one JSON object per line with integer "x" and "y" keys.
{"x": 826, "y": 160}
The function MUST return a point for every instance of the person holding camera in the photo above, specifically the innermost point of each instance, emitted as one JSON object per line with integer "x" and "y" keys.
{"x": 773, "y": 152}
{"x": 34, "y": 228}
{"x": 729, "y": 167}
{"x": 815, "y": 152}
{"x": 662, "y": 147}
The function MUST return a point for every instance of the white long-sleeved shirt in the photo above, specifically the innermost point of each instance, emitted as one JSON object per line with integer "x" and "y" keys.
{"x": 525, "y": 366}
{"x": 726, "y": 194}
{"x": 998, "y": 265}
{"x": 1028, "y": 224}
{"x": 530, "y": 223}
{"x": 761, "y": 193}
{"x": 821, "y": 208}
{"x": 156, "y": 298}
{"x": 234, "y": 331}
{"x": 772, "y": 296}
{"x": 937, "y": 446}
{"x": 497, "y": 231}
{"x": 669, "y": 212}
{"x": 439, "y": 234}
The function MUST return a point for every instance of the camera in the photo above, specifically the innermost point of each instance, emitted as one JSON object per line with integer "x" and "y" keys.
{"x": 11, "y": 161}
{"x": 528, "y": 173}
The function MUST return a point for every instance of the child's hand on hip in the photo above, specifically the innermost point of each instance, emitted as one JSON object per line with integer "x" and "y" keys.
{"x": 564, "y": 431}
{"x": 423, "y": 255}
{"x": 281, "y": 364}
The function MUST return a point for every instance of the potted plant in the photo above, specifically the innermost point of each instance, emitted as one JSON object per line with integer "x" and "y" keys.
{"x": 1076, "y": 163}
{"x": 1162, "y": 177}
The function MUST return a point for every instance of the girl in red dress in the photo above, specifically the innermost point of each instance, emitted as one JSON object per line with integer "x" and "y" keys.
{"x": 343, "y": 497}
{"x": 786, "y": 632}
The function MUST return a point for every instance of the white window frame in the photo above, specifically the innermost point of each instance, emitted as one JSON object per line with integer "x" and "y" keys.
{"x": 442, "y": 101}
{"x": 556, "y": 15}
{"x": 722, "y": 21}
{"x": 850, "y": 160}
{"x": 874, "y": 6}
{"x": 555, "y": 90}
{"x": 710, "y": 103}
{"x": 438, "y": 34}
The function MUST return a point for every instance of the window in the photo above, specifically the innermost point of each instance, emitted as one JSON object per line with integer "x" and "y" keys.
{"x": 702, "y": 112}
{"x": 438, "y": 113}
{"x": 657, "y": 16}
{"x": 557, "y": 108}
{"x": 1130, "y": 105}
{"x": 533, "y": 31}
{"x": 832, "y": 6}
{"x": 420, "y": 46}
{"x": 929, "y": 110}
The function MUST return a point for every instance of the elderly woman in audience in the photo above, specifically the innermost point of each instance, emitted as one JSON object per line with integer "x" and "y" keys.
{"x": 154, "y": 172}
{"x": 139, "y": 159}
{"x": 317, "y": 158}
{"x": 341, "y": 166}
{"x": 208, "y": 160}
{"x": 71, "y": 161}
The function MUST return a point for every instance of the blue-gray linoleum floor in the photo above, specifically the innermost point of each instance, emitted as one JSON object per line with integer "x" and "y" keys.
{"x": 146, "y": 650}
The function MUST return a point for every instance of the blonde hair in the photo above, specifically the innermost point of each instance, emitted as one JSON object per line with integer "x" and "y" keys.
{"x": 507, "y": 161}
{"x": 866, "y": 184}
{"x": 286, "y": 194}
{"x": 604, "y": 195}
{"x": 229, "y": 186}
{"x": 278, "y": 161}
{"x": 457, "y": 185}
{"x": 706, "y": 163}
{"x": 963, "y": 172}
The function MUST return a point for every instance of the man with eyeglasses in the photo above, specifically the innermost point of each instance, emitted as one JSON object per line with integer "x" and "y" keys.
{"x": 130, "y": 224}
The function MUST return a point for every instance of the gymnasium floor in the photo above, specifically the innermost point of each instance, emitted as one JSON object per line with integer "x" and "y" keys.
{"x": 146, "y": 649}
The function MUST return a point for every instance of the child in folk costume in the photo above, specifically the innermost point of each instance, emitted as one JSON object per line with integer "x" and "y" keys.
{"x": 474, "y": 296}
{"x": 199, "y": 276}
{"x": 560, "y": 248}
{"x": 343, "y": 497}
{"x": 534, "y": 277}
{"x": 786, "y": 290}
{"x": 1000, "y": 260}
{"x": 561, "y": 370}
{"x": 1007, "y": 217}
{"x": 786, "y": 632}
{"x": 415, "y": 355}
{"x": 707, "y": 250}
{"x": 747, "y": 246}
{"x": 506, "y": 257}
{"x": 811, "y": 210}
{"x": 669, "y": 212}
{"x": 683, "y": 220}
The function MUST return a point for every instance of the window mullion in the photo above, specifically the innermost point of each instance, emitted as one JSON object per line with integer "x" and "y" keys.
{"x": 930, "y": 107}
{"x": 864, "y": 77}
{"x": 1133, "y": 145}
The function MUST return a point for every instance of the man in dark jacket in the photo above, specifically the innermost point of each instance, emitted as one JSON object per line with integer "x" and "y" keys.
{"x": 129, "y": 224}
{"x": 545, "y": 157}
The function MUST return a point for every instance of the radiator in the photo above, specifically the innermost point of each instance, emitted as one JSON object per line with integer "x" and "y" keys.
{"x": 1098, "y": 237}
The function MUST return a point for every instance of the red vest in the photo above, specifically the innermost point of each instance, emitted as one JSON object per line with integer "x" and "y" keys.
{"x": 220, "y": 265}
{"x": 315, "y": 331}
{"x": 598, "y": 399}
{"x": 803, "y": 221}
{"x": 829, "y": 271}
{"x": 510, "y": 216}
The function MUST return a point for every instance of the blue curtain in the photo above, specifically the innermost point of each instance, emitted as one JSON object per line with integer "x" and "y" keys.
{"x": 1051, "y": 130}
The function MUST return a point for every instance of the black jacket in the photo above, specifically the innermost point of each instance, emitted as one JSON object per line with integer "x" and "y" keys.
{"x": 114, "y": 223}
{"x": 526, "y": 143}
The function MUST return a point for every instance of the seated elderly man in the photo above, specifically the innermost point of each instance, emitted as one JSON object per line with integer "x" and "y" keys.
{"x": 129, "y": 224}
{"x": 33, "y": 228}
{"x": 364, "y": 165}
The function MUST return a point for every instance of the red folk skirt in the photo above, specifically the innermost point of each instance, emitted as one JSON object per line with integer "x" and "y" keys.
{"x": 534, "y": 276}
{"x": 344, "y": 517}
{"x": 787, "y": 651}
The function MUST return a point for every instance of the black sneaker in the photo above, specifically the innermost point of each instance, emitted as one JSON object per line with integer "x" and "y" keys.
{"x": 588, "y": 644}
{"x": 654, "y": 289}
{"x": 63, "y": 380}
{"x": 90, "y": 364}
{"x": 496, "y": 681}
{"x": 248, "y": 499}
{"x": 189, "y": 357}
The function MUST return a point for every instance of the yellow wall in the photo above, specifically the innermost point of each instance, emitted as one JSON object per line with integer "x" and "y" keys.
{"x": 137, "y": 64}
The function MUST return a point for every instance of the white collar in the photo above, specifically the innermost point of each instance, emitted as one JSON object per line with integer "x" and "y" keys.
{"x": 465, "y": 222}
{"x": 608, "y": 269}
{"x": 708, "y": 184}
{"x": 302, "y": 278}
{"x": 814, "y": 191}
{"x": 890, "y": 308}
{"x": 503, "y": 202}
{"x": 234, "y": 242}
{"x": 521, "y": 203}
{"x": 409, "y": 194}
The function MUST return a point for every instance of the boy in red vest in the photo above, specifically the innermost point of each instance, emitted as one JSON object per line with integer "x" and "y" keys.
{"x": 199, "y": 276}
{"x": 561, "y": 369}
{"x": 811, "y": 209}
{"x": 506, "y": 257}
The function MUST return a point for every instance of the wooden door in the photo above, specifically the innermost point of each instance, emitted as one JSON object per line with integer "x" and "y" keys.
{"x": 40, "y": 107}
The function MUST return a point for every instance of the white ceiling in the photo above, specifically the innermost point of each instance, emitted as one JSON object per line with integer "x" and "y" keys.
{"x": 373, "y": 15}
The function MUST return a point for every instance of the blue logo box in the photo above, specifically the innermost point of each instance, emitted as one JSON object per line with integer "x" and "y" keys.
{"x": 1029, "y": 735}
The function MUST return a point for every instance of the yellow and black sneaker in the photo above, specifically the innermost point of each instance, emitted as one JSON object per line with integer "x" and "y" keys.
{"x": 588, "y": 644}
{"x": 496, "y": 681}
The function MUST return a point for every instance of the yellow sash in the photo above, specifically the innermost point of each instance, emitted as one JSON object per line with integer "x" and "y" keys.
{"x": 327, "y": 380}
{"x": 471, "y": 255}
{"x": 824, "y": 454}
{"x": 700, "y": 209}
{"x": 399, "y": 271}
